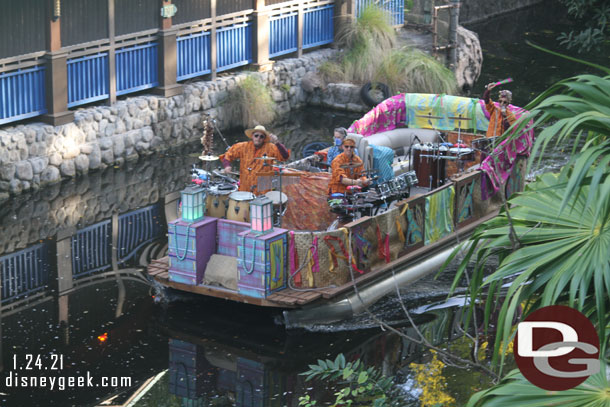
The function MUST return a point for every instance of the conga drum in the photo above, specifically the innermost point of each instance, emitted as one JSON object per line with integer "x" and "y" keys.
{"x": 239, "y": 206}
{"x": 429, "y": 164}
{"x": 217, "y": 200}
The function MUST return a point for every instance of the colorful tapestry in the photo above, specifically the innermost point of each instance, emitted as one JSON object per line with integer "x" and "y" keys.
{"x": 420, "y": 110}
{"x": 439, "y": 215}
{"x": 498, "y": 166}
{"x": 386, "y": 116}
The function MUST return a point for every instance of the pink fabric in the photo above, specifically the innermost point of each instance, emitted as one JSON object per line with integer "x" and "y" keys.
{"x": 385, "y": 116}
{"x": 498, "y": 166}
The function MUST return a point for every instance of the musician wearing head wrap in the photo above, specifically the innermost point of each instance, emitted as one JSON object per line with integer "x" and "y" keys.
{"x": 500, "y": 119}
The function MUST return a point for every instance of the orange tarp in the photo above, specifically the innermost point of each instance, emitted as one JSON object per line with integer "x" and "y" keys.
{"x": 307, "y": 207}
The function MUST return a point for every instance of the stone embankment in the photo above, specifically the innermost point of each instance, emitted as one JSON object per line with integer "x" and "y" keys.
{"x": 34, "y": 155}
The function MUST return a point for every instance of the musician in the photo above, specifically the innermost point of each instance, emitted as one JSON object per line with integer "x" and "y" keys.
{"x": 340, "y": 133}
{"x": 262, "y": 143}
{"x": 499, "y": 119}
{"x": 344, "y": 177}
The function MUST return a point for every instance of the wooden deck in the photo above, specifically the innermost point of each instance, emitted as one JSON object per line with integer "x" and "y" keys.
{"x": 287, "y": 298}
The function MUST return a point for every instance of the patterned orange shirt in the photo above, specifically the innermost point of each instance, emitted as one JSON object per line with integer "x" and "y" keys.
{"x": 249, "y": 168}
{"x": 496, "y": 127}
{"x": 338, "y": 173}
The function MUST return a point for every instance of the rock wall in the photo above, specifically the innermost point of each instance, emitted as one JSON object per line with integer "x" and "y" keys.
{"x": 472, "y": 11}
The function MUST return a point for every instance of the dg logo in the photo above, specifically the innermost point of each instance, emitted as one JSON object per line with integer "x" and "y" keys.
{"x": 557, "y": 348}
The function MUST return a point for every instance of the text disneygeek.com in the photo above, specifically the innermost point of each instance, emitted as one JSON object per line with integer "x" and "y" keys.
{"x": 65, "y": 382}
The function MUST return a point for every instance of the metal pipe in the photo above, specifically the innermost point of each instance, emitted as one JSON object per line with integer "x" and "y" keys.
{"x": 356, "y": 303}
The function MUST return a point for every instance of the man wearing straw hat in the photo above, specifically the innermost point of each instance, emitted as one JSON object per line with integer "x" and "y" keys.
{"x": 347, "y": 169}
{"x": 499, "y": 119}
{"x": 262, "y": 143}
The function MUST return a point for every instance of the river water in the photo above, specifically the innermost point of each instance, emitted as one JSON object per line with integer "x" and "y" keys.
{"x": 104, "y": 322}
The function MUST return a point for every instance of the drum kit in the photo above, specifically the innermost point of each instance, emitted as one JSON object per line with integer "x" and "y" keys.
{"x": 223, "y": 200}
{"x": 356, "y": 202}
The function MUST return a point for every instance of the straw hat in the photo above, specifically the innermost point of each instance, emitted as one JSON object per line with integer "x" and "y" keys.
{"x": 260, "y": 129}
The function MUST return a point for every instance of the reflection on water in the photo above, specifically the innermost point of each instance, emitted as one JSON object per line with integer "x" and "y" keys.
{"x": 213, "y": 361}
{"x": 71, "y": 279}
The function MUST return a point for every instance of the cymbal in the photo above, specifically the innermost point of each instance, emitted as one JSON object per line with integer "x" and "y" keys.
{"x": 353, "y": 165}
{"x": 208, "y": 157}
{"x": 264, "y": 158}
{"x": 429, "y": 116}
{"x": 459, "y": 118}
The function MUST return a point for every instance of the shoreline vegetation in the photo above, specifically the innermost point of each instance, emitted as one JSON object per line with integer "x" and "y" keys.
{"x": 371, "y": 53}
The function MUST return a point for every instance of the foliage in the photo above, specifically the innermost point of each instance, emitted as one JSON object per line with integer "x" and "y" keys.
{"x": 429, "y": 377}
{"x": 564, "y": 256}
{"x": 371, "y": 27}
{"x": 251, "y": 101}
{"x": 412, "y": 70}
{"x": 371, "y": 56}
{"x": 360, "y": 385}
{"x": 515, "y": 390}
{"x": 595, "y": 16}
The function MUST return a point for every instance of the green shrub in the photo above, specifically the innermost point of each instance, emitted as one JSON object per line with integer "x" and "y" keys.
{"x": 252, "y": 102}
{"x": 371, "y": 56}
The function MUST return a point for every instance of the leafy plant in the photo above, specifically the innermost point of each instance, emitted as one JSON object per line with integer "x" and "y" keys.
{"x": 594, "y": 15}
{"x": 556, "y": 237}
{"x": 251, "y": 101}
{"x": 412, "y": 70}
{"x": 564, "y": 256}
{"x": 371, "y": 56}
{"x": 359, "y": 385}
{"x": 515, "y": 390}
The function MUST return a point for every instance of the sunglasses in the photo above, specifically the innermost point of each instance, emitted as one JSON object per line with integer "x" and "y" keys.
{"x": 349, "y": 146}
{"x": 258, "y": 135}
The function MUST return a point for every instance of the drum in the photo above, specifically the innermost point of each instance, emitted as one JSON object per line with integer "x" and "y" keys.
{"x": 239, "y": 206}
{"x": 459, "y": 157}
{"x": 384, "y": 189}
{"x": 217, "y": 200}
{"x": 275, "y": 198}
{"x": 395, "y": 186}
{"x": 428, "y": 164}
{"x": 463, "y": 153}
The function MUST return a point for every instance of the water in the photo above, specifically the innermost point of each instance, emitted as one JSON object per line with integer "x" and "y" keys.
{"x": 105, "y": 320}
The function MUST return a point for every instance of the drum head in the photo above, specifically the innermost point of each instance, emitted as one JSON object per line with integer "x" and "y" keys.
{"x": 275, "y": 197}
{"x": 241, "y": 196}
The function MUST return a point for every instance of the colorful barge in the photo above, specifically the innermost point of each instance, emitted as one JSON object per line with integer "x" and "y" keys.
{"x": 318, "y": 273}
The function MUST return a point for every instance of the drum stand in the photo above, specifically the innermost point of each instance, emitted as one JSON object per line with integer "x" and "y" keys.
{"x": 460, "y": 119}
{"x": 267, "y": 181}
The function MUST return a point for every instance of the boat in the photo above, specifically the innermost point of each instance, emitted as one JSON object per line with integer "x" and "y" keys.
{"x": 320, "y": 260}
